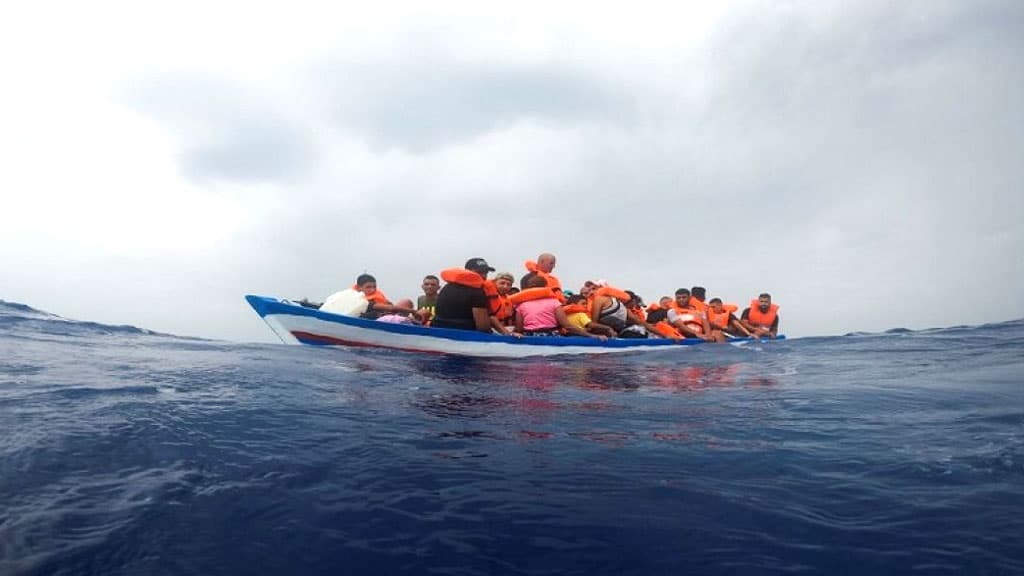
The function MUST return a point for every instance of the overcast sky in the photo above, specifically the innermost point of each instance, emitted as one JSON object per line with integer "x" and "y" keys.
{"x": 862, "y": 161}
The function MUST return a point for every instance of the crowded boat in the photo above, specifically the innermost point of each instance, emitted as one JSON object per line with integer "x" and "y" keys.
{"x": 468, "y": 298}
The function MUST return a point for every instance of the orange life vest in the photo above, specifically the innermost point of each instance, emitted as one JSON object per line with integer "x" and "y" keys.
{"x": 667, "y": 330}
{"x": 531, "y": 294}
{"x": 463, "y": 277}
{"x": 758, "y": 318}
{"x": 497, "y": 304}
{"x": 700, "y": 306}
{"x": 720, "y": 320}
{"x": 377, "y": 297}
{"x": 612, "y": 291}
{"x": 552, "y": 281}
{"x": 690, "y": 316}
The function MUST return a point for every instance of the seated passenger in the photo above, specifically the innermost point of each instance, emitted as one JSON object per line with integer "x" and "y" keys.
{"x": 425, "y": 303}
{"x": 379, "y": 305}
{"x": 636, "y": 306}
{"x": 501, "y": 310}
{"x": 762, "y": 318}
{"x": 542, "y": 267}
{"x": 462, "y": 303}
{"x": 657, "y": 315}
{"x": 721, "y": 319}
{"x": 609, "y": 308}
{"x": 539, "y": 313}
{"x": 697, "y": 296}
{"x": 577, "y": 312}
{"x": 685, "y": 317}
{"x": 376, "y": 303}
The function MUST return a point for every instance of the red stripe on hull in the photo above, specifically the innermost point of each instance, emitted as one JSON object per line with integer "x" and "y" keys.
{"x": 320, "y": 338}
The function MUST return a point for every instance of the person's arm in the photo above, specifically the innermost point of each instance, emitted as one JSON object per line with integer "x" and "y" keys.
{"x": 563, "y": 321}
{"x": 595, "y": 312}
{"x": 707, "y": 335}
{"x": 500, "y": 328}
{"x": 519, "y": 321}
{"x": 482, "y": 319}
{"x": 738, "y": 326}
{"x": 774, "y": 331}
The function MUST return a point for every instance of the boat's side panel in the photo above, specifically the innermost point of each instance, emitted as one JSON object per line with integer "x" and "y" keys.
{"x": 312, "y": 330}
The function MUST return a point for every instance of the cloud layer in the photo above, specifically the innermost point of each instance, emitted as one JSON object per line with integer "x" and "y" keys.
{"x": 858, "y": 161}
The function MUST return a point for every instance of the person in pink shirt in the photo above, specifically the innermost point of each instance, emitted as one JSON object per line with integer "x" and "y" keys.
{"x": 545, "y": 317}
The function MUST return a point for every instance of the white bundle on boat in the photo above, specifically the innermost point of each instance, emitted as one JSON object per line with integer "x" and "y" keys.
{"x": 346, "y": 302}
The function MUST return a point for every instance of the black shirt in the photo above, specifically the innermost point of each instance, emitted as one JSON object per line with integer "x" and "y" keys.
{"x": 657, "y": 316}
{"x": 454, "y": 308}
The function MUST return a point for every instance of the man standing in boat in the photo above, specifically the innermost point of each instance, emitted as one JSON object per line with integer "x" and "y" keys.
{"x": 462, "y": 303}
{"x": 542, "y": 267}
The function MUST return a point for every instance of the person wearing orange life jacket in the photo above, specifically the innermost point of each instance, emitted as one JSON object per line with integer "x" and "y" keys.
{"x": 721, "y": 318}
{"x": 379, "y": 305}
{"x": 462, "y": 304}
{"x": 697, "y": 296}
{"x": 762, "y": 318}
{"x": 657, "y": 315}
{"x": 501, "y": 310}
{"x": 539, "y": 313}
{"x": 609, "y": 307}
{"x": 577, "y": 312}
{"x": 636, "y": 306}
{"x": 542, "y": 267}
{"x": 686, "y": 318}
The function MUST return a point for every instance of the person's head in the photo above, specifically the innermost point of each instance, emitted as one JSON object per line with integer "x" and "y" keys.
{"x": 513, "y": 290}
{"x": 546, "y": 262}
{"x": 404, "y": 303}
{"x": 698, "y": 292}
{"x": 576, "y": 299}
{"x": 366, "y": 284}
{"x": 503, "y": 281}
{"x": 480, "y": 266}
{"x": 536, "y": 282}
{"x": 431, "y": 284}
{"x": 634, "y": 300}
{"x": 716, "y": 305}
{"x": 665, "y": 301}
{"x": 588, "y": 288}
{"x": 764, "y": 301}
{"x": 682, "y": 297}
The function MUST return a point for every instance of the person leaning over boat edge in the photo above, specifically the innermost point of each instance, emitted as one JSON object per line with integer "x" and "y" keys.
{"x": 462, "y": 303}
{"x": 762, "y": 318}
{"x": 379, "y": 305}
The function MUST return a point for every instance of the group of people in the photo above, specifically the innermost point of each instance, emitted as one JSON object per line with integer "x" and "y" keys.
{"x": 469, "y": 300}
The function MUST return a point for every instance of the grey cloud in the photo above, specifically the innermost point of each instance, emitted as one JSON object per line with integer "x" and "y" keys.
{"x": 250, "y": 149}
{"x": 226, "y": 132}
{"x": 424, "y": 104}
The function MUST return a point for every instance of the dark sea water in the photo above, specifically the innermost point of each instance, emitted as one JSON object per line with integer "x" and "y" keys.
{"x": 124, "y": 451}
